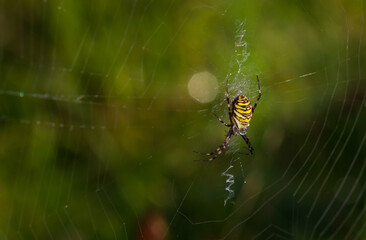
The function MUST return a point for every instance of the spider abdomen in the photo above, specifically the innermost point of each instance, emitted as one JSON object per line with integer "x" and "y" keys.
{"x": 242, "y": 112}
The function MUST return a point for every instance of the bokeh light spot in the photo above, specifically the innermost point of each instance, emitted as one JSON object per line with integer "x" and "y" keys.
{"x": 203, "y": 87}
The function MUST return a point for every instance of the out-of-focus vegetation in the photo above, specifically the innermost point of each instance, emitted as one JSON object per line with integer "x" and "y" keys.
{"x": 97, "y": 127}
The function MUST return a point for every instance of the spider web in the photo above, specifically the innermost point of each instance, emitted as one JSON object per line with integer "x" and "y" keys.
{"x": 97, "y": 127}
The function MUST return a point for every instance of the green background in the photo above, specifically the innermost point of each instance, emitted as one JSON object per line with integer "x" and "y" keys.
{"x": 97, "y": 129}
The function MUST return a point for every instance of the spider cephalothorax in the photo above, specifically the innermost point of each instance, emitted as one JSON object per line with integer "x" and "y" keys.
{"x": 240, "y": 113}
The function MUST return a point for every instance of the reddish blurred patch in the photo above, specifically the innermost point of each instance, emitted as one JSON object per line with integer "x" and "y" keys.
{"x": 153, "y": 227}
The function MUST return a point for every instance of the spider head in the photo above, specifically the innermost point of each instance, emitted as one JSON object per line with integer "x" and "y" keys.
{"x": 243, "y": 131}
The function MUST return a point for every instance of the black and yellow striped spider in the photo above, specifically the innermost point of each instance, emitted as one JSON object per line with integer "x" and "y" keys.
{"x": 240, "y": 114}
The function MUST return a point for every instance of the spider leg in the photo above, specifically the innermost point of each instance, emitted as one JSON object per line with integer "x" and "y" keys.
{"x": 219, "y": 150}
{"x": 227, "y": 125}
{"x": 259, "y": 95}
{"x": 227, "y": 96}
{"x": 246, "y": 139}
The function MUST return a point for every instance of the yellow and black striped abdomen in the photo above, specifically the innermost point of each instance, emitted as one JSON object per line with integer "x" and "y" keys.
{"x": 242, "y": 112}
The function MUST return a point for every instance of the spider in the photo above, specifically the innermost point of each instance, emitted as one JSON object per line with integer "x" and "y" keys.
{"x": 240, "y": 114}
